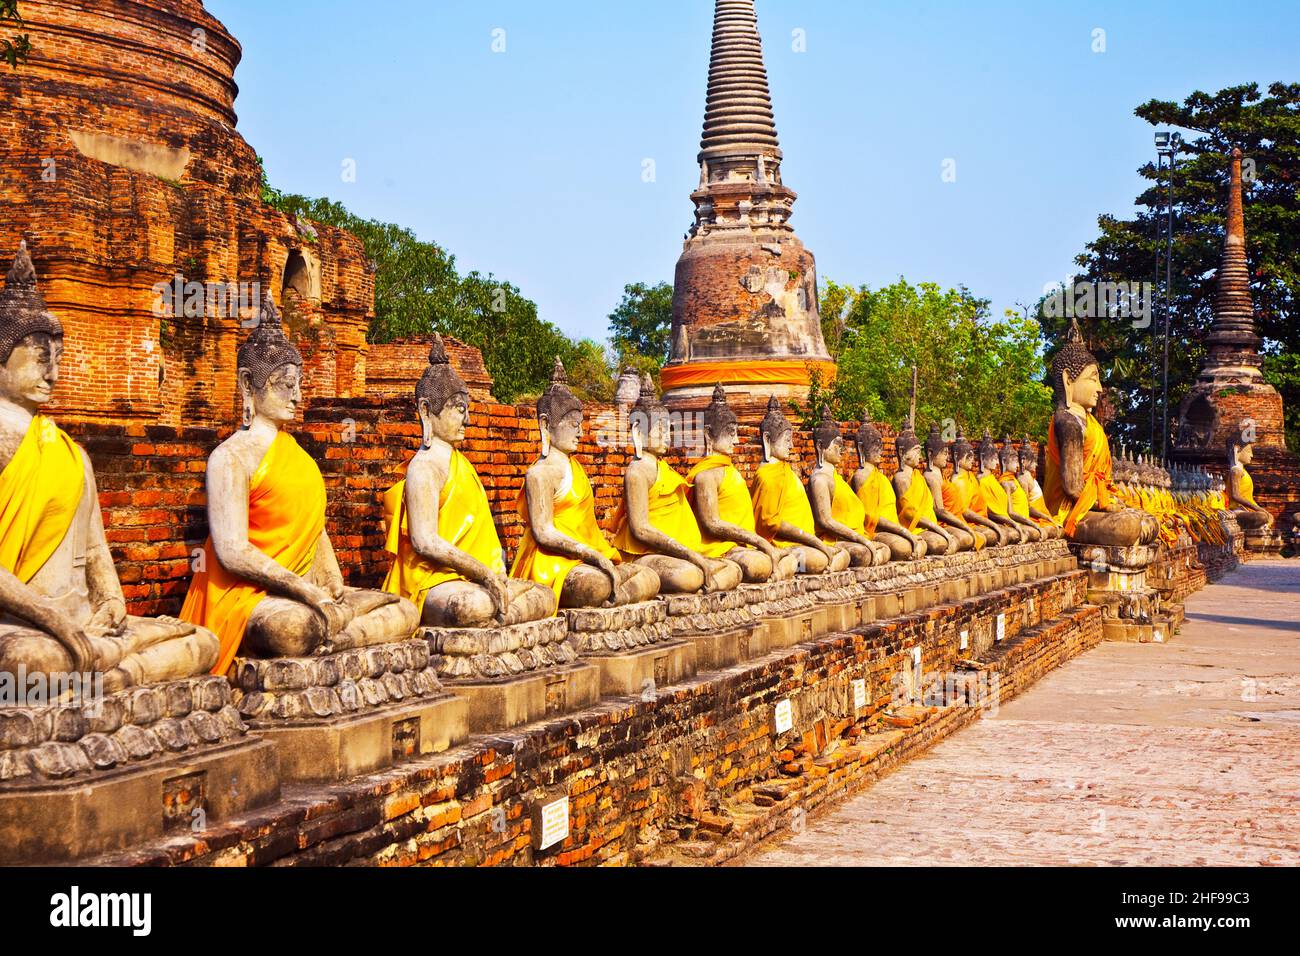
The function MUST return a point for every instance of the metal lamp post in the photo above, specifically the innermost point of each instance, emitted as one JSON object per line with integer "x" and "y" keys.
{"x": 1167, "y": 147}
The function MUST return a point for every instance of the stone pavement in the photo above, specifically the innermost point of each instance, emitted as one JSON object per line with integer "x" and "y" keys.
{"x": 1185, "y": 753}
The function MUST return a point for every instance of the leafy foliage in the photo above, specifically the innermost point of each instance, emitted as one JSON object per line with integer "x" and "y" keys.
{"x": 978, "y": 372}
{"x": 641, "y": 324}
{"x": 1267, "y": 129}
{"x": 19, "y": 48}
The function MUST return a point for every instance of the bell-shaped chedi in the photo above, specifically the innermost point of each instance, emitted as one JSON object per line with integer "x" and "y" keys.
{"x": 745, "y": 294}
{"x": 124, "y": 170}
{"x": 1231, "y": 387}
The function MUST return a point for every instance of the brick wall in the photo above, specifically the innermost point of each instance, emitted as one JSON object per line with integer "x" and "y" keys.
{"x": 393, "y": 368}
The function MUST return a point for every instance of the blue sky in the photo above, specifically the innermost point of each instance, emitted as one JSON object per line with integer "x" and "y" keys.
{"x": 529, "y": 163}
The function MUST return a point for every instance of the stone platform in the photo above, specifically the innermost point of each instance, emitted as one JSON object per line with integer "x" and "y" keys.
{"x": 107, "y": 773}
{"x": 351, "y": 712}
{"x": 515, "y": 674}
{"x": 633, "y": 645}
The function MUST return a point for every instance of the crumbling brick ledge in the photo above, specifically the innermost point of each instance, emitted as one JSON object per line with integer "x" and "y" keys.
{"x": 690, "y": 774}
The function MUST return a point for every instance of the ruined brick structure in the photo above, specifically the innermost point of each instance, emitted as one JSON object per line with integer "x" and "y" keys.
{"x": 393, "y": 368}
{"x": 121, "y": 167}
{"x": 745, "y": 294}
{"x": 1231, "y": 389}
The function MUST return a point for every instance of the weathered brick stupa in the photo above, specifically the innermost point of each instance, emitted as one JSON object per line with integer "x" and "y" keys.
{"x": 745, "y": 295}
{"x": 121, "y": 167}
{"x": 1231, "y": 389}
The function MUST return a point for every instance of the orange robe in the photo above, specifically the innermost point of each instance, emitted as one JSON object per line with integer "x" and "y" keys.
{"x": 1097, "y": 486}
{"x": 735, "y": 506}
{"x": 286, "y": 518}
{"x": 574, "y": 514}
{"x": 669, "y": 512}
{"x": 779, "y": 496}
{"x": 40, "y": 490}
{"x": 957, "y": 499}
{"x": 464, "y": 521}
{"x": 917, "y": 503}
{"x": 878, "y": 501}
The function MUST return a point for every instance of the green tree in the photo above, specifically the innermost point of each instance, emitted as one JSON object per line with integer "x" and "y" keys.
{"x": 641, "y": 324}
{"x": 17, "y": 49}
{"x": 1267, "y": 129}
{"x": 972, "y": 370}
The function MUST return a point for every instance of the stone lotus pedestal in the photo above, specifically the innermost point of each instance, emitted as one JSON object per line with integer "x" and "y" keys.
{"x": 351, "y": 712}
{"x": 722, "y": 625}
{"x": 1132, "y": 610}
{"x": 632, "y": 645}
{"x": 1263, "y": 542}
{"x": 108, "y": 773}
{"x": 513, "y": 675}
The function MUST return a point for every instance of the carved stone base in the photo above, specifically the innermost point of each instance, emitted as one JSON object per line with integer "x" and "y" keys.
{"x": 1263, "y": 542}
{"x": 645, "y": 670}
{"x": 350, "y": 712}
{"x": 722, "y": 649}
{"x": 105, "y": 773}
{"x": 720, "y": 625}
{"x": 596, "y": 631}
{"x": 491, "y": 653}
{"x": 497, "y": 705}
{"x": 1117, "y": 582}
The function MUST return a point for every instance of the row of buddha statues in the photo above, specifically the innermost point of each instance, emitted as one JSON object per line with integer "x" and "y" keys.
{"x": 269, "y": 585}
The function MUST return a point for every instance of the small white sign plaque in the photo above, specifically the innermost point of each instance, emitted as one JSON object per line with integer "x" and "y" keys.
{"x": 555, "y": 822}
{"x": 859, "y": 694}
{"x": 784, "y": 716}
{"x": 965, "y": 640}
{"x": 1002, "y": 626}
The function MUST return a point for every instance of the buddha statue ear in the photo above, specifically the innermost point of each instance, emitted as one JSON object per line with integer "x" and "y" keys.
{"x": 767, "y": 448}
{"x": 245, "y": 378}
{"x": 544, "y": 425}
{"x": 426, "y": 422}
{"x": 638, "y": 439}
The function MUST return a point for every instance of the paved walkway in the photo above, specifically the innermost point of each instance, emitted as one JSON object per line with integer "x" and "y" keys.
{"x": 1180, "y": 754}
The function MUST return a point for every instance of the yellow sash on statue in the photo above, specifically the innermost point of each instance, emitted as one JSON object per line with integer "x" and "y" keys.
{"x": 917, "y": 504}
{"x": 574, "y": 514}
{"x": 735, "y": 506}
{"x": 1247, "y": 486}
{"x": 669, "y": 512}
{"x": 464, "y": 522}
{"x": 995, "y": 495}
{"x": 956, "y": 501}
{"x": 779, "y": 496}
{"x": 847, "y": 509}
{"x": 40, "y": 490}
{"x": 1097, "y": 487}
{"x": 879, "y": 502}
{"x": 286, "y": 516}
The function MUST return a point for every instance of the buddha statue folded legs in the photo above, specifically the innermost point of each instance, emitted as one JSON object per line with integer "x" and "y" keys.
{"x": 655, "y": 525}
{"x": 838, "y": 513}
{"x": 448, "y": 558}
{"x": 269, "y": 584}
{"x": 62, "y": 609}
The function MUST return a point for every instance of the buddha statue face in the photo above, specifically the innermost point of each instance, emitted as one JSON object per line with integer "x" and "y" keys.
{"x": 778, "y": 435}
{"x": 1245, "y": 454}
{"x": 989, "y": 458}
{"x": 967, "y": 460}
{"x": 939, "y": 458}
{"x": 833, "y": 453}
{"x": 269, "y": 371}
{"x": 447, "y": 423}
{"x": 565, "y": 433}
{"x": 29, "y": 375}
{"x": 1010, "y": 460}
{"x": 278, "y": 400}
{"x": 1085, "y": 390}
{"x": 870, "y": 452}
{"x": 911, "y": 456}
{"x": 723, "y": 439}
{"x": 780, "y": 445}
{"x": 651, "y": 429}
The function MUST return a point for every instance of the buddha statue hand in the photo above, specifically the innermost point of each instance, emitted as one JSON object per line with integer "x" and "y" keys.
{"x": 109, "y": 619}
{"x": 499, "y": 591}
{"x": 75, "y": 641}
{"x": 606, "y": 565}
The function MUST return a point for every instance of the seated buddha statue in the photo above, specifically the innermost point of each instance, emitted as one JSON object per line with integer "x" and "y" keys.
{"x": 61, "y": 605}
{"x": 448, "y": 559}
{"x": 838, "y": 513}
{"x": 1077, "y": 483}
{"x": 782, "y": 512}
{"x": 563, "y": 546}
{"x": 879, "y": 502}
{"x": 936, "y": 460}
{"x": 963, "y": 495}
{"x": 723, "y": 506}
{"x": 915, "y": 501}
{"x": 1017, "y": 499}
{"x": 655, "y": 525}
{"x": 995, "y": 495}
{"x": 269, "y": 584}
{"x": 1035, "y": 506}
{"x": 1240, "y": 486}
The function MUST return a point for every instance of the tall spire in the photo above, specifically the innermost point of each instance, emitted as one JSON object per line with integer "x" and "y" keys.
{"x": 738, "y": 114}
{"x": 1232, "y": 340}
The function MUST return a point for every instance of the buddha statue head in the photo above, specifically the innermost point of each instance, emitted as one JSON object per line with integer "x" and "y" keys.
{"x": 1241, "y": 443}
{"x": 963, "y": 453}
{"x": 777, "y": 433}
{"x": 988, "y": 453}
{"x": 441, "y": 399}
{"x": 559, "y": 414}
{"x": 1010, "y": 457}
{"x": 936, "y": 449}
{"x": 871, "y": 446}
{"x": 720, "y": 426}
{"x": 269, "y": 371}
{"x": 1028, "y": 460}
{"x": 31, "y": 339}
{"x": 907, "y": 447}
{"x": 827, "y": 440}
{"x": 1076, "y": 376}
{"x": 649, "y": 421}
